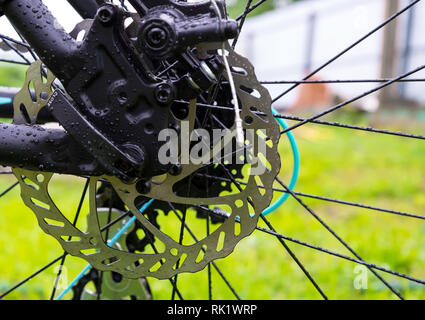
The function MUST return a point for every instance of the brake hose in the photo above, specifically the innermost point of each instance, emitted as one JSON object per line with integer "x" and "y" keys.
{"x": 296, "y": 169}
{"x": 5, "y": 100}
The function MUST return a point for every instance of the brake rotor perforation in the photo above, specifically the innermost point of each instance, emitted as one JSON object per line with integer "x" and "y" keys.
{"x": 164, "y": 264}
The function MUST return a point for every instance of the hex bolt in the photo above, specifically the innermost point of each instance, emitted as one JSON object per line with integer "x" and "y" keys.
{"x": 106, "y": 14}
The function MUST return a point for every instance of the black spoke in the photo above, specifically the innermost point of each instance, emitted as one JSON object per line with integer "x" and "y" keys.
{"x": 294, "y": 257}
{"x": 14, "y": 49}
{"x": 327, "y": 227}
{"x": 250, "y": 9}
{"x": 14, "y": 62}
{"x": 77, "y": 214}
{"x": 31, "y": 277}
{"x": 282, "y": 242}
{"x": 343, "y": 104}
{"x": 343, "y": 202}
{"x": 393, "y": 17}
{"x": 209, "y": 264}
{"x": 114, "y": 222}
{"x": 306, "y": 195}
{"x": 173, "y": 282}
{"x": 30, "y": 50}
{"x": 327, "y": 123}
{"x": 182, "y": 228}
{"x": 223, "y": 214}
{"x": 361, "y": 262}
{"x": 242, "y": 22}
{"x": 17, "y": 42}
{"x": 353, "y": 127}
{"x": 359, "y": 205}
{"x": 338, "y": 81}
{"x": 9, "y": 189}
{"x": 213, "y": 263}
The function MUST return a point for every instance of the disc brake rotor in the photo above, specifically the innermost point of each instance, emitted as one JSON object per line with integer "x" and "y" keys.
{"x": 243, "y": 206}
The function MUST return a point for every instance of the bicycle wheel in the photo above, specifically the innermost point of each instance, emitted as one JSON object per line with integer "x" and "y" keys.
{"x": 162, "y": 235}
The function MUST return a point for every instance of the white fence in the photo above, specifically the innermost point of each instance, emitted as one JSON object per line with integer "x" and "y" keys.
{"x": 283, "y": 43}
{"x": 282, "y": 46}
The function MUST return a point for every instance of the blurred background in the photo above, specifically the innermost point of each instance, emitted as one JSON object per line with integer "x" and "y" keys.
{"x": 286, "y": 40}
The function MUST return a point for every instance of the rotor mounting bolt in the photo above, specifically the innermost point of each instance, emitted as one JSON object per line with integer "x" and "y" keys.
{"x": 164, "y": 94}
{"x": 175, "y": 127}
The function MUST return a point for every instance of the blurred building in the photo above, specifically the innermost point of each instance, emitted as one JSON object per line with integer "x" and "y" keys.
{"x": 286, "y": 43}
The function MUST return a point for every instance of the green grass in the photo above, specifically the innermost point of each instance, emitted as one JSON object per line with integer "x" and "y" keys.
{"x": 12, "y": 75}
{"x": 360, "y": 167}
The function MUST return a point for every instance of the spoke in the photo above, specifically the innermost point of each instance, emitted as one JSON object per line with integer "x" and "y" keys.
{"x": 337, "y": 236}
{"x": 223, "y": 214}
{"x": 31, "y": 51}
{"x": 182, "y": 228}
{"x": 343, "y": 104}
{"x": 26, "y": 45}
{"x": 31, "y": 277}
{"x": 101, "y": 273}
{"x": 338, "y": 81}
{"x": 173, "y": 282}
{"x": 59, "y": 258}
{"x": 373, "y": 266}
{"x": 114, "y": 222}
{"x": 77, "y": 214}
{"x": 306, "y": 195}
{"x": 14, "y": 62}
{"x": 122, "y": 3}
{"x": 364, "y": 206}
{"x": 282, "y": 242}
{"x": 11, "y": 46}
{"x": 209, "y": 264}
{"x": 353, "y": 127}
{"x": 213, "y": 263}
{"x": 349, "y": 48}
{"x": 294, "y": 257}
{"x": 167, "y": 69}
{"x": 327, "y": 123}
